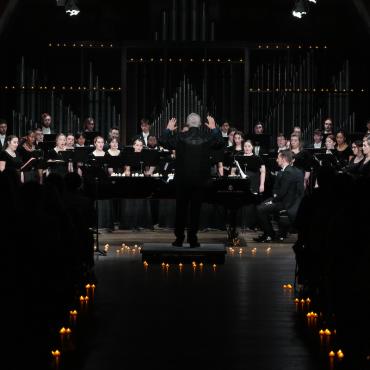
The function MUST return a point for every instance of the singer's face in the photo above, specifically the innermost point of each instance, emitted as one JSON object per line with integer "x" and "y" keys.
{"x": 138, "y": 146}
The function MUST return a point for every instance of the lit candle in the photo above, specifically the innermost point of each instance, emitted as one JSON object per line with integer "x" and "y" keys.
{"x": 73, "y": 317}
{"x": 180, "y": 266}
{"x": 214, "y": 267}
{"x": 62, "y": 333}
{"x": 56, "y": 356}
{"x": 340, "y": 354}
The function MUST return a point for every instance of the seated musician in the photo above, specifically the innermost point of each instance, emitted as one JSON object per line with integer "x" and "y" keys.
{"x": 287, "y": 194}
{"x": 253, "y": 167}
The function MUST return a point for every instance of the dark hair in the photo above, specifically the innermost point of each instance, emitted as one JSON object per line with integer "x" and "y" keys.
{"x": 79, "y": 134}
{"x": 258, "y": 123}
{"x": 328, "y": 119}
{"x": 44, "y": 115}
{"x": 89, "y": 120}
{"x": 113, "y": 138}
{"x": 30, "y": 132}
{"x": 70, "y": 134}
{"x": 281, "y": 134}
{"x": 9, "y": 138}
{"x": 318, "y": 132}
{"x": 144, "y": 120}
{"x": 287, "y": 155}
{"x": 358, "y": 143}
{"x": 113, "y": 128}
{"x": 3, "y": 121}
{"x": 341, "y": 131}
{"x": 137, "y": 139}
{"x": 332, "y": 137}
{"x": 241, "y": 135}
{"x": 232, "y": 129}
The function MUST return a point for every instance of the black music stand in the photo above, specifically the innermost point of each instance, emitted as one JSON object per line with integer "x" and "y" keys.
{"x": 94, "y": 172}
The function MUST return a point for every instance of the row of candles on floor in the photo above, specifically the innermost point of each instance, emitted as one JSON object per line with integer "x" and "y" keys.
{"x": 134, "y": 249}
{"x": 123, "y": 249}
{"x": 240, "y": 250}
{"x": 313, "y": 320}
{"x": 65, "y": 333}
{"x": 166, "y": 266}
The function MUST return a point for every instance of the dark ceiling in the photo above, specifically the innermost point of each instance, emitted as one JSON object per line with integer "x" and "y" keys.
{"x": 329, "y": 21}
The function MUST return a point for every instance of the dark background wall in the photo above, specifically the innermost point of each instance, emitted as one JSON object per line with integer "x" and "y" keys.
{"x": 334, "y": 55}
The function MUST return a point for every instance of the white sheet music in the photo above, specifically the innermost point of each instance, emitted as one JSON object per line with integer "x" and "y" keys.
{"x": 242, "y": 174}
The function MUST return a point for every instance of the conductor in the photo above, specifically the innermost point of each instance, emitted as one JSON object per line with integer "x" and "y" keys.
{"x": 192, "y": 171}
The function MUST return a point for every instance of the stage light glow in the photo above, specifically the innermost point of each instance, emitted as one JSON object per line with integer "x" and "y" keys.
{"x": 72, "y": 8}
{"x": 300, "y": 9}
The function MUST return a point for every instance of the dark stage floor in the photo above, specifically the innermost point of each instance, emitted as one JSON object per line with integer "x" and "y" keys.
{"x": 233, "y": 316}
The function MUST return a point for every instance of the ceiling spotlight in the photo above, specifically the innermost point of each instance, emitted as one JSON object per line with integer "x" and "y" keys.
{"x": 313, "y": 1}
{"x": 72, "y": 8}
{"x": 300, "y": 9}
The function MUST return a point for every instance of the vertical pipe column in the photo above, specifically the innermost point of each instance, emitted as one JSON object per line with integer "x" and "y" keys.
{"x": 194, "y": 25}
{"x": 164, "y": 26}
{"x": 204, "y": 21}
{"x": 174, "y": 21}
{"x": 246, "y": 89}
{"x": 123, "y": 123}
{"x": 183, "y": 20}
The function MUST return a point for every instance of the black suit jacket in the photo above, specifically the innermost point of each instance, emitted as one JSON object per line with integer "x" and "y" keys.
{"x": 289, "y": 190}
{"x": 193, "y": 152}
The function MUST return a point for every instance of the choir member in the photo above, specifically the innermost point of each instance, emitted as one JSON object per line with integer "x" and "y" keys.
{"x": 113, "y": 153}
{"x": 39, "y": 137}
{"x": 317, "y": 139}
{"x": 70, "y": 141}
{"x": 46, "y": 124}
{"x": 56, "y": 162}
{"x": 145, "y": 127}
{"x": 225, "y": 130}
{"x": 31, "y": 155}
{"x": 357, "y": 159}
{"x": 328, "y": 127}
{"x": 80, "y": 140}
{"x": 364, "y": 169}
{"x": 89, "y": 125}
{"x": 3, "y": 129}
{"x": 344, "y": 152}
{"x": 301, "y": 158}
{"x": 9, "y": 158}
{"x": 281, "y": 142}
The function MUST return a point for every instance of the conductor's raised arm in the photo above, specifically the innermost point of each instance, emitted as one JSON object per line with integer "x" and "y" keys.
{"x": 169, "y": 139}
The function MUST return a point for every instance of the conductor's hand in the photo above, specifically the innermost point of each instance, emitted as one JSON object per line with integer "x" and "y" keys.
{"x": 172, "y": 124}
{"x": 211, "y": 123}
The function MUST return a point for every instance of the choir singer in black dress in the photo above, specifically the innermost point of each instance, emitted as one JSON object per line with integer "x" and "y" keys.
{"x": 192, "y": 171}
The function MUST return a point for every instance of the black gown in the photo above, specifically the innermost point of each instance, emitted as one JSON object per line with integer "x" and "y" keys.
{"x": 364, "y": 169}
{"x": 343, "y": 156}
{"x": 11, "y": 163}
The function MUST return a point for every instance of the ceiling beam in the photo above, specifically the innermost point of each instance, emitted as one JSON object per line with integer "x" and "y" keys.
{"x": 363, "y": 13}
